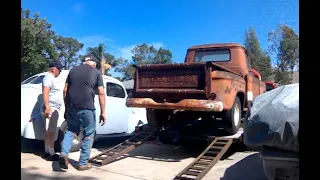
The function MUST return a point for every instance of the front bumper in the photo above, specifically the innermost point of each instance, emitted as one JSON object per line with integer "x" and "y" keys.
{"x": 186, "y": 104}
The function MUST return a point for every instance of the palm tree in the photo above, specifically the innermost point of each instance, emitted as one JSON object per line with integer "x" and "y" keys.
{"x": 106, "y": 59}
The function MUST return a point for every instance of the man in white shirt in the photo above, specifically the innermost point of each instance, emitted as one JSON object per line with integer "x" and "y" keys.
{"x": 52, "y": 100}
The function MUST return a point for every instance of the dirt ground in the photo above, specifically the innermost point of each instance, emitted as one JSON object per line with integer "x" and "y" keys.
{"x": 150, "y": 161}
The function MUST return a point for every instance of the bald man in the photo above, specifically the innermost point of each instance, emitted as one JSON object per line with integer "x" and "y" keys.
{"x": 52, "y": 100}
{"x": 79, "y": 93}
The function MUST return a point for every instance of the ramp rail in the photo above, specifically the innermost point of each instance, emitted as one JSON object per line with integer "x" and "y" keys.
{"x": 206, "y": 160}
{"x": 120, "y": 150}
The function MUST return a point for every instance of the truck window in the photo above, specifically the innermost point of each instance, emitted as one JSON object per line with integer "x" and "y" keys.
{"x": 215, "y": 55}
{"x": 115, "y": 90}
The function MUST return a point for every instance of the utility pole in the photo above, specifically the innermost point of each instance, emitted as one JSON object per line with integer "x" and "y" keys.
{"x": 104, "y": 66}
{"x": 103, "y": 61}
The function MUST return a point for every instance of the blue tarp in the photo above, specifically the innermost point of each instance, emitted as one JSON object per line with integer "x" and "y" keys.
{"x": 273, "y": 119}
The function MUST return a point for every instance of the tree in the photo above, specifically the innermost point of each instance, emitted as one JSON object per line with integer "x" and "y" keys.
{"x": 126, "y": 68}
{"x": 98, "y": 51}
{"x": 143, "y": 54}
{"x": 260, "y": 60}
{"x": 67, "y": 49}
{"x": 284, "y": 42}
{"x": 36, "y": 44}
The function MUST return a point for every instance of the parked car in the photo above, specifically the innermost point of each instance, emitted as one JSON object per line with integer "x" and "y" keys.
{"x": 35, "y": 79}
{"x": 270, "y": 85}
{"x": 121, "y": 120}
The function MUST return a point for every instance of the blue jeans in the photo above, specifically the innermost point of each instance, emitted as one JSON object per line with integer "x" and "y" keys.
{"x": 85, "y": 118}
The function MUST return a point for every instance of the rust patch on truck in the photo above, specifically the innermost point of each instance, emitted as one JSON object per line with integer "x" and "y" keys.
{"x": 170, "y": 81}
{"x": 184, "y": 76}
{"x": 186, "y": 104}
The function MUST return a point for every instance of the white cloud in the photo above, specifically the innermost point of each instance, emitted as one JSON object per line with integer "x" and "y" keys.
{"x": 92, "y": 41}
{"x": 157, "y": 45}
{"x": 125, "y": 52}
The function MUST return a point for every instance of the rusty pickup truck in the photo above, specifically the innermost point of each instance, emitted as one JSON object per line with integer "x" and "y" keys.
{"x": 215, "y": 79}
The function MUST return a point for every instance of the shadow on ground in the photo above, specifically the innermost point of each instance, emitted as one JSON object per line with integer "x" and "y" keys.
{"x": 156, "y": 151}
{"x": 27, "y": 174}
{"x": 32, "y": 146}
{"x": 37, "y": 147}
{"x": 249, "y": 168}
{"x": 153, "y": 150}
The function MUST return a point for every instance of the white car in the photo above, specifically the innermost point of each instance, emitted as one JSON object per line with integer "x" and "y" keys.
{"x": 121, "y": 120}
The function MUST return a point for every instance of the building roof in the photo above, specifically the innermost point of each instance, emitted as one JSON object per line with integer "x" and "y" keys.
{"x": 128, "y": 84}
{"x": 295, "y": 77}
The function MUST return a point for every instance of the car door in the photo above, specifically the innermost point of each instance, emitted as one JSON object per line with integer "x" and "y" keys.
{"x": 117, "y": 113}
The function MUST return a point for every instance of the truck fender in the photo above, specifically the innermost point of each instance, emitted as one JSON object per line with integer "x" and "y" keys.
{"x": 241, "y": 95}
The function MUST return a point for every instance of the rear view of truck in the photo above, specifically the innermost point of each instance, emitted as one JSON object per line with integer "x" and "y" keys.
{"x": 173, "y": 86}
{"x": 212, "y": 80}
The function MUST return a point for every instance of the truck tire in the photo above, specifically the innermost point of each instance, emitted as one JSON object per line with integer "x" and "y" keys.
{"x": 232, "y": 118}
{"x": 157, "y": 117}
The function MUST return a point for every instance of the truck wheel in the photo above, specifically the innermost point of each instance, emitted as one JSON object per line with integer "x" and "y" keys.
{"x": 157, "y": 117}
{"x": 76, "y": 143}
{"x": 232, "y": 117}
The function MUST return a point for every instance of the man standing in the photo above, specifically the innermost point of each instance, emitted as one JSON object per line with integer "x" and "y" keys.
{"x": 52, "y": 100}
{"x": 79, "y": 92}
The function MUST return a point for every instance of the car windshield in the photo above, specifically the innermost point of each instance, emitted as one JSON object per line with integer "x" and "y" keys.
{"x": 215, "y": 55}
{"x": 28, "y": 80}
{"x": 37, "y": 80}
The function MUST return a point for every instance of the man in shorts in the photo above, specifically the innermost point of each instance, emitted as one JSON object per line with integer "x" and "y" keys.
{"x": 79, "y": 92}
{"x": 52, "y": 100}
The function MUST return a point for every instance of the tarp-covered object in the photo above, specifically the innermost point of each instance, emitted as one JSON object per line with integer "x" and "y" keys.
{"x": 273, "y": 119}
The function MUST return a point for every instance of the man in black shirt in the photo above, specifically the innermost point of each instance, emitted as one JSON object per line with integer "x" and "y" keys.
{"x": 79, "y": 92}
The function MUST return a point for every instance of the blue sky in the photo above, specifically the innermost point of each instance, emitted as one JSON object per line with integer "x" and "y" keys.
{"x": 172, "y": 24}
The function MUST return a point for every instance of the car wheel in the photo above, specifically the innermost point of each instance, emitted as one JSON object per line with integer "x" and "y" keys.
{"x": 76, "y": 143}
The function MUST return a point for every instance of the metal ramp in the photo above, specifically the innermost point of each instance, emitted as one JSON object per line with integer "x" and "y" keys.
{"x": 119, "y": 151}
{"x": 206, "y": 160}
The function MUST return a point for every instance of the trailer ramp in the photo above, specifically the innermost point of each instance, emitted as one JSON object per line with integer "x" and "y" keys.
{"x": 206, "y": 160}
{"x": 120, "y": 151}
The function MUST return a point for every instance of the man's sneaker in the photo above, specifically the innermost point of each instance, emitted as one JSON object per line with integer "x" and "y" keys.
{"x": 84, "y": 167}
{"x": 63, "y": 161}
{"x": 54, "y": 157}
